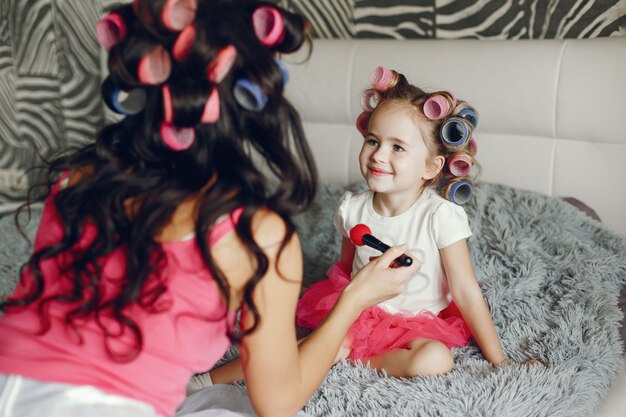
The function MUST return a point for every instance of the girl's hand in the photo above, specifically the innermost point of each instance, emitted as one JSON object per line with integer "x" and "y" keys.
{"x": 381, "y": 279}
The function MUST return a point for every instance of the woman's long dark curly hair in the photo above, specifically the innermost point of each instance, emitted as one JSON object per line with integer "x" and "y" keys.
{"x": 246, "y": 159}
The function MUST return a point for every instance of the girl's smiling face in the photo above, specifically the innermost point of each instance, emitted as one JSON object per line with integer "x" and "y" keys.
{"x": 394, "y": 158}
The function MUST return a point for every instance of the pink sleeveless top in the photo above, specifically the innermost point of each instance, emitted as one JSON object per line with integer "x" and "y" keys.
{"x": 187, "y": 335}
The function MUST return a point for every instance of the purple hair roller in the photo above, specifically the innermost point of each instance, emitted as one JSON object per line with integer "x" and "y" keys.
{"x": 460, "y": 165}
{"x": 123, "y": 102}
{"x": 469, "y": 114}
{"x": 459, "y": 191}
{"x": 455, "y": 131}
{"x": 283, "y": 69}
{"x": 249, "y": 95}
{"x": 370, "y": 99}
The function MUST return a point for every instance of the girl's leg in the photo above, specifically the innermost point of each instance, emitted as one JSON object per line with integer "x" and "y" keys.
{"x": 423, "y": 357}
{"x": 228, "y": 373}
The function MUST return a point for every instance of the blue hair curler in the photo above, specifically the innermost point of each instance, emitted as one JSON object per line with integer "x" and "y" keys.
{"x": 123, "y": 102}
{"x": 249, "y": 95}
{"x": 459, "y": 192}
{"x": 469, "y": 114}
{"x": 455, "y": 131}
{"x": 283, "y": 69}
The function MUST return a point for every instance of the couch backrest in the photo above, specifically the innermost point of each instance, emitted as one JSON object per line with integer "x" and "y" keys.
{"x": 552, "y": 112}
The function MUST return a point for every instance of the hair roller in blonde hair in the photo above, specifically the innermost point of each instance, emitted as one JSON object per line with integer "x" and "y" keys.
{"x": 154, "y": 67}
{"x": 455, "y": 131}
{"x": 460, "y": 165}
{"x": 383, "y": 79}
{"x": 370, "y": 99}
{"x": 177, "y": 14}
{"x": 470, "y": 114}
{"x": 458, "y": 191}
{"x": 110, "y": 30}
{"x": 439, "y": 105}
{"x": 473, "y": 146}
{"x": 268, "y": 25}
{"x": 363, "y": 121}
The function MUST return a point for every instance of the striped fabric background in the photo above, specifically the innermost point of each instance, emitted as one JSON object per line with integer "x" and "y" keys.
{"x": 50, "y": 71}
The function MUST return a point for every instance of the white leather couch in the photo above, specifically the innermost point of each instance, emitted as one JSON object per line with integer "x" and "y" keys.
{"x": 552, "y": 114}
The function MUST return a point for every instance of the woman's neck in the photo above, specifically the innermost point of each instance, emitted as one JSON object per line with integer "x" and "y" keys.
{"x": 394, "y": 204}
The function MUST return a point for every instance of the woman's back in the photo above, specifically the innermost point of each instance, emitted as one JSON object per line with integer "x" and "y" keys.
{"x": 183, "y": 333}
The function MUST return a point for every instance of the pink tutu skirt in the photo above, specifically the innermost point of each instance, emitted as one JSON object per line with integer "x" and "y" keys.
{"x": 376, "y": 331}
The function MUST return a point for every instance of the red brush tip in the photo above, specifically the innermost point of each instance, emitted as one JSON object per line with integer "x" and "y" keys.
{"x": 357, "y": 233}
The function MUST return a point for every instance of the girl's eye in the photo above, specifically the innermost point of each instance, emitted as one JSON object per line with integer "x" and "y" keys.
{"x": 372, "y": 142}
{"x": 398, "y": 148}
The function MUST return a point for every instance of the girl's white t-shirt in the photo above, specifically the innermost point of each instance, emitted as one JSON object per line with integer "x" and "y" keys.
{"x": 430, "y": 224}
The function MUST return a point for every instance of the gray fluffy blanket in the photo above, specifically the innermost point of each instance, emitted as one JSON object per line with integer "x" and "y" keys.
{"x": 551, "y": 277}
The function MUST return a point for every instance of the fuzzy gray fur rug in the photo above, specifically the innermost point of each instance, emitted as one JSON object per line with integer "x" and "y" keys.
{"x": 551, "y": 277}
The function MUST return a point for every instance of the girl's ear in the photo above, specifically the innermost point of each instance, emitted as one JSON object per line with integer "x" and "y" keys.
{"x": 434, "y": 167}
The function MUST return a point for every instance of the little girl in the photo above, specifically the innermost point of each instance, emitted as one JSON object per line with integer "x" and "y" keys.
{"x": 416, "y": 157}
{"x": 155, "y": 235}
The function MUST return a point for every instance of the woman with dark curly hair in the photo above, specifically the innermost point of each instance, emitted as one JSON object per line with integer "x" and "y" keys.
{"x": 177, "y": 217}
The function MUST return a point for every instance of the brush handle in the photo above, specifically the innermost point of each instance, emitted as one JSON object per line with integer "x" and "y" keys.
{"x": 372, "y": 242}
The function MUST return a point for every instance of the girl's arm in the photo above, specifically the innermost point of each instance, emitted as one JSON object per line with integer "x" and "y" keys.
{"x": 468, "y": 297}
{"x": 280, "y": 374}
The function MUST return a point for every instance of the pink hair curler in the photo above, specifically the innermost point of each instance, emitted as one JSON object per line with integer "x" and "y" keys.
{"x": 362, "y": 122}
{"x": 177, "y": 139}
{"x": 177, "y": 14}
{"x": 154, "y": 67}
{"x": 473, "y": 145}
{"x": 211, "y": 113}
{"x": 370, "y": 99}
{"x": 183, "y": 43}
{"x": 382, "y": 79}
{"x": 460, "y": 165}
{"x": 110, "y": 30}
{"x": 221, "y": 65}
{"x": 268, "y": 25}
{"x": 168, "y": 108}
{"x": 439, "y": 105}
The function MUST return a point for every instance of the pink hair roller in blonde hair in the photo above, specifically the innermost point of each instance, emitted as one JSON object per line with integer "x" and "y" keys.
{"x": 183, "y": 43}
{"x": 473, "y": 145}
{"x": 460, "y": 165}
{"x": 210, "y": 113}
{"x": 370, "y": 99}
{"x": 154, "y": 67}
{"x": 110, "y": 30}
{"x": 177, "y": 139}
{"x": 177, "y": 14}
{"x": 221, "y": 65}
{"x": 439, "y": 105}
{"x": 268, "y": 25}
{"x": 382, "y": 79}
{"x": 362, "y": 122}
